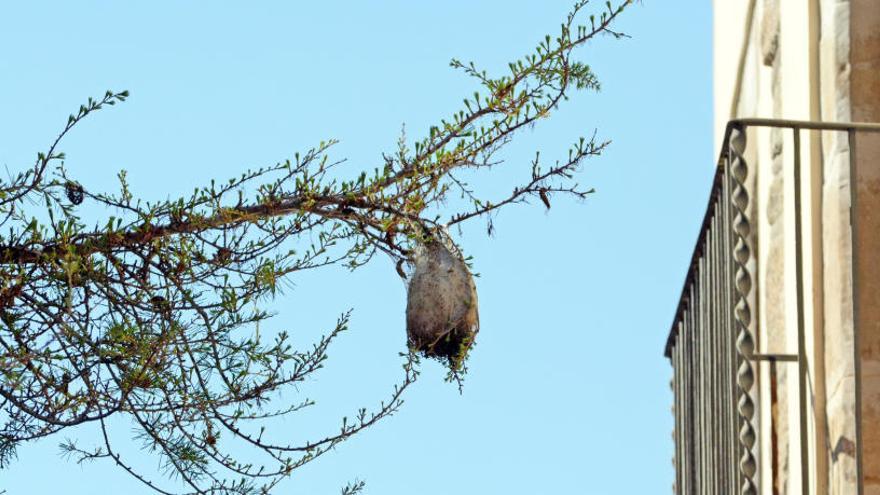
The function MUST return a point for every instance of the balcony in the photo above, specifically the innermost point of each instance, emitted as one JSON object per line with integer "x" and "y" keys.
{"x": 735, "y": 364}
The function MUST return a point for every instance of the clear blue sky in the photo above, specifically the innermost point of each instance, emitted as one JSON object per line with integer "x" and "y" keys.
{"x": 568, "y": 391}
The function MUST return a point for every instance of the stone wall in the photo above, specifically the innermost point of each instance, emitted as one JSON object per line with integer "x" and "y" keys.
{"x": 838, "y": 309}
{"x": 864, "y": 24}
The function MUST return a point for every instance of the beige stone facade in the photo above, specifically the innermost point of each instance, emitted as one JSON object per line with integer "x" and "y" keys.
{"x": 816, "y": 60}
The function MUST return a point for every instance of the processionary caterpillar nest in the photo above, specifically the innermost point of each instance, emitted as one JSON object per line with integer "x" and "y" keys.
{"x": 442, "y": 317}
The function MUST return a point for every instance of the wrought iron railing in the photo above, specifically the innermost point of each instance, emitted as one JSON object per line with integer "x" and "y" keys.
{"x": 702, "y": 343}
{"x": 711, "y": 345}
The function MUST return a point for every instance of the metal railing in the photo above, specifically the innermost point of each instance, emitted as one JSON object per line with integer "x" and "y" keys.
{"x": 711, "y": 345}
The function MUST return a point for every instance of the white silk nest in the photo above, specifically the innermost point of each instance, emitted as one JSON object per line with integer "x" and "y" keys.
{"x": 442, "y": 317}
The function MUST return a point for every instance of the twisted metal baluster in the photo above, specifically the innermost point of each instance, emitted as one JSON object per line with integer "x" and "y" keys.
{"x": 745, "y": 344}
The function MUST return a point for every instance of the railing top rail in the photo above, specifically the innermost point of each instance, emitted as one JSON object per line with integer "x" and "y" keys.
{"x": 716, "y": 189}
{"x": 804, "y": 124}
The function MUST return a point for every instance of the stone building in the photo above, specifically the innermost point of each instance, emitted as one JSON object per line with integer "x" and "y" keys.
{"x": 776, "y": 342}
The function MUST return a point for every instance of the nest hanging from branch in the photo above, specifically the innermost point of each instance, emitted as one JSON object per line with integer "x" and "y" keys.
{"x": 442, "y": 316}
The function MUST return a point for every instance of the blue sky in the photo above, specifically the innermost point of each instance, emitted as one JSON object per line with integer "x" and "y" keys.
{"x": 568, "y": 391}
